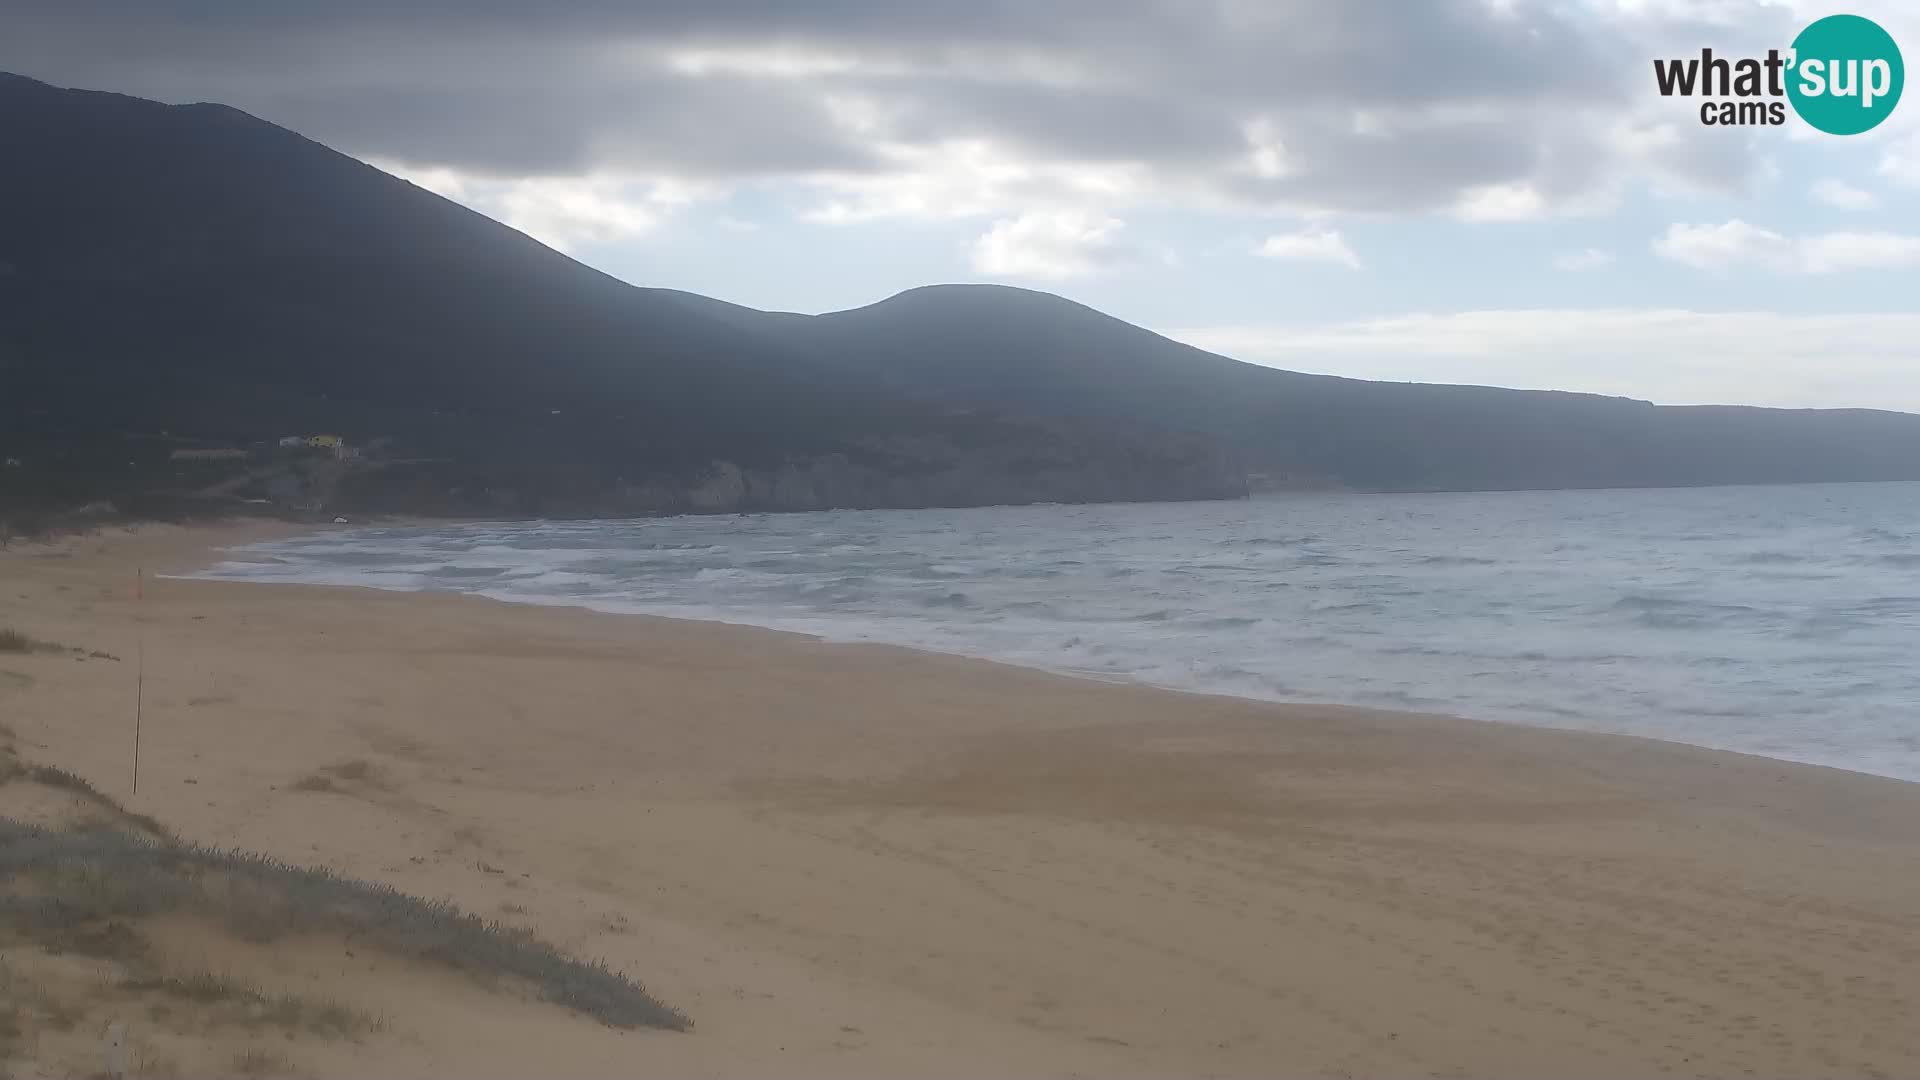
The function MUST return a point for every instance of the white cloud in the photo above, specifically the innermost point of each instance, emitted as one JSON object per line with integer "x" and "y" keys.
{"x": 1718, "y": 247}
{"x": 1584, "y": 259}
{"x": 1502, "y": 202}
{"x": 440, "y": 181}
{"x": 1673, "y": 356}
{"x": 771, "y": 61}
{"x": 1834, "y": 252}
{"x": 1843, "y": 196}
{"x": 1737, "y": 244}
{"x": 962, "y": 178}
{"x": 1900, "y": 161}
{"x": 561, "y": 212}
{"x": 1312, "y": 244}
{"x": 566, "y": 211}
{"x": 1051, "y": 245}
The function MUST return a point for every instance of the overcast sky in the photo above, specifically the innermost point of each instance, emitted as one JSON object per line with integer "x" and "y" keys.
{"x": 1460, "y": 190}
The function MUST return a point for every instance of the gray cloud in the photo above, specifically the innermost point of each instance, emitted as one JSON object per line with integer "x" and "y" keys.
{"x": 1415, "y": 167}
{"x": 1367, "y": 105}
{"x": 657, "y": 124}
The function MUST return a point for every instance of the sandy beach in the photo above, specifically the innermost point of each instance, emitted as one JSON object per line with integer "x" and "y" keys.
{"x": 864, "y": 861}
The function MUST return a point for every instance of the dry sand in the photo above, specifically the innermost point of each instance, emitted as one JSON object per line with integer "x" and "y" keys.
{"x": 857, "y": 861}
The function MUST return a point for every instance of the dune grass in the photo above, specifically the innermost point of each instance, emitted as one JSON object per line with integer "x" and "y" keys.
{"x": 19, "y": 642}
{"x": 323, "y": 1017}
{"x": 257, "y": 1062}
{"x": 85, "y": 891}
{"x": 329, "y": 778}
{"x": 13, "y": 641}
{"x": 12, "y": 769}
{"x": 19, "y": 994}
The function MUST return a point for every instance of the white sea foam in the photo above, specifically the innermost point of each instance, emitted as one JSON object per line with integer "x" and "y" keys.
{"x": 1776, "y": 621}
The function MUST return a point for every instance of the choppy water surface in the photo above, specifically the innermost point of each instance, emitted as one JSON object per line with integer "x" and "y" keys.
{"x": 1782, "y": 621}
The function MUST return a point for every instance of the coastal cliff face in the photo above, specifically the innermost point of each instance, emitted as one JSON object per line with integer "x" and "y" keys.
{"x": 915, "y": 473}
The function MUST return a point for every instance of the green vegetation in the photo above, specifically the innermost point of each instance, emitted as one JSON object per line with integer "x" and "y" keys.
{"x": 84, "y": 891}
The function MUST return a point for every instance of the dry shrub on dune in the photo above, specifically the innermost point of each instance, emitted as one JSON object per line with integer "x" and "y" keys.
{"x": 87, "y": 891}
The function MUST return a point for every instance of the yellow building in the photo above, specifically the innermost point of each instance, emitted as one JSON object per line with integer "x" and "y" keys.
{"x": 324, "y": 442}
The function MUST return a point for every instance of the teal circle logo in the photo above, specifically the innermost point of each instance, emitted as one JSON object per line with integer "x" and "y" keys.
{"x": 1846, "y": 75}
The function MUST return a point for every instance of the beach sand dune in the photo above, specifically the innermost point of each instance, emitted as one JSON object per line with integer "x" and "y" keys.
{"x": 866, "y": 861}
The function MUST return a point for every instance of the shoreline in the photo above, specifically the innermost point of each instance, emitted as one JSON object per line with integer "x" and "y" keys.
{"x": 873, "y": 860}
{"x": 1123, "y": 680}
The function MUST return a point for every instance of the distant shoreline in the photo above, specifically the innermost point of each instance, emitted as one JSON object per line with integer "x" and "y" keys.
{"x": 69, "y": 522}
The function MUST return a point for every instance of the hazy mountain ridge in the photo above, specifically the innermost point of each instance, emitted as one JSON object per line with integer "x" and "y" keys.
{"x": 244, "y": 284}
{"x": 192, "y": 276}
{"x": 1347, "y": 432}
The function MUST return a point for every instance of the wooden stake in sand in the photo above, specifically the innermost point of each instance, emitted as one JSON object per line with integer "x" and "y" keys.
{"x": 140, "y": 670}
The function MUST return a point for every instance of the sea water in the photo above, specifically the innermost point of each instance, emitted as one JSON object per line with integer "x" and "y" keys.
{"x": 1781, "y": 621}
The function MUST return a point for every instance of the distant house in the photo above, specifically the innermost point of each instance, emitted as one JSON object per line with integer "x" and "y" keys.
{"x": 291, "y": 441}
{"x": 216, "y": 453}
{"x": 13, "y": 463}
{"x": 323, "y": 442}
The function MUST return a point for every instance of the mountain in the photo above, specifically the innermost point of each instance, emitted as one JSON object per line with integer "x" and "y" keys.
{"x": 992, "y": 347}
{"x": 191, "y": 278}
